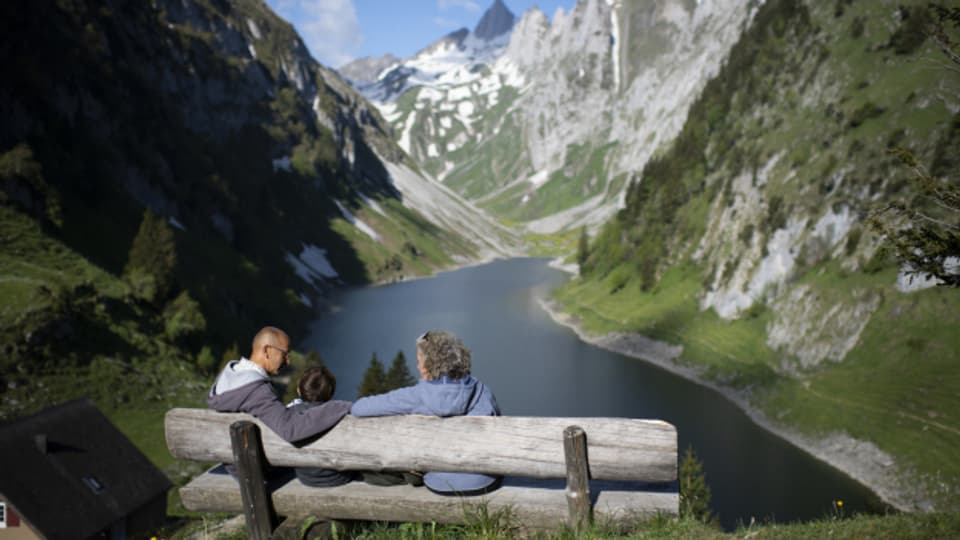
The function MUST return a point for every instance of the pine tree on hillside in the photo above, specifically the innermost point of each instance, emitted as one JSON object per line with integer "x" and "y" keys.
{"x": 694, "y": 491}
{"x": 399, "y": 375}
{"x": 374, "y": 379}
{"x": 152, "y": 259}
{"x": 583, "y": 248}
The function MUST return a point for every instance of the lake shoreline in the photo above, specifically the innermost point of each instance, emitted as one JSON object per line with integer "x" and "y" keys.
{"x": 863, "y": 461}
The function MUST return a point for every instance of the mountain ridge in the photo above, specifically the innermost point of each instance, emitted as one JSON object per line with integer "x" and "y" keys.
{"x": 568, "y": 84}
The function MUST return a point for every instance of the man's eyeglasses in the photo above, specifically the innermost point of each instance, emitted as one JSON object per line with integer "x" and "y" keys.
{"x": 284, "y": 352}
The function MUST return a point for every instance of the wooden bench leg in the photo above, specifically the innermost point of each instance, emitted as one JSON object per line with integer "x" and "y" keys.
{"x": 578, "y": 477}
{"x": 249, "y": 459}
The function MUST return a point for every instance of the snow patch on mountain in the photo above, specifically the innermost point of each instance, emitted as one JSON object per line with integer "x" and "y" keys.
{"x": 372, "y": 204}
{"x": 578, "y": 81}
{"x": 254, "y": 29}
{"x": 356, "y": 222}
{"x": 539, "y": 178}
{"x": 312, "y": 265}
{"x": 282, "y": 164}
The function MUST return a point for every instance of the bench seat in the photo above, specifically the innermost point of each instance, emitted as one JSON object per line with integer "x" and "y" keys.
{"x": 533, "y": 506}
{"x": 557, "y": 470}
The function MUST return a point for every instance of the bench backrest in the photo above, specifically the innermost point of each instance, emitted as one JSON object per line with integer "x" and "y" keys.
{"x": 617, "y": 448}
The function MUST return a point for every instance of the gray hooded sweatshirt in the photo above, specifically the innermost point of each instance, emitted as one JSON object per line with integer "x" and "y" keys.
{"x": 244, "y": 387}
{"x": 442, "y": 397}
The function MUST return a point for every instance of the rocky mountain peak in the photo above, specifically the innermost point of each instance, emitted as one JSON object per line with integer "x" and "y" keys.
{"x": 496, "y": 21}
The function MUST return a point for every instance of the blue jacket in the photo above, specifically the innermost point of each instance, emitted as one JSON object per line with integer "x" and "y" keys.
{"x": 442, "y": 397}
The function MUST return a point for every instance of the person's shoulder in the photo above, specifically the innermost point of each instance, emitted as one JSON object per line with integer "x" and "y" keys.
{"x": 300, "y": 405}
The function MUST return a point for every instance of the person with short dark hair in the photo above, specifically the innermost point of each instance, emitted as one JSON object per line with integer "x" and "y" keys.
{"x": 315, "y": 387}
{"x": 447, "y": 389}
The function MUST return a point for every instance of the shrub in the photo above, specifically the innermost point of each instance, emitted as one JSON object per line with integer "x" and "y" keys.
{"x": 867, "y": 111}
{"x": 857, "y": 27}
{"x": 183, "y": 318}
{"x": 152, "y": 259}
{"x": 853, "y": 240}
{"x": 206, "y": 362}
{"x": 911, "y": 33}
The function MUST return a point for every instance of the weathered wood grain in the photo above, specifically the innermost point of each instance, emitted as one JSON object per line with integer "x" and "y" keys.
{"x": 578, "y": 477}
{"x": 533, "y": 507}
{"x": 248, "y": 455}
{"x": 619, "y": 448}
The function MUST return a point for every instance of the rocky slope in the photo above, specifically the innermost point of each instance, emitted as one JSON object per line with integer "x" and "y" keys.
{"x": 364, "y": 71}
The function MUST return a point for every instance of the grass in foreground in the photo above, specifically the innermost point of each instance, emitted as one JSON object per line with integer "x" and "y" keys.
{"x": 935, "y": 525}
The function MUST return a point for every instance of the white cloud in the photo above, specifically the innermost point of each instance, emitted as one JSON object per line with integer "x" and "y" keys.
{"x": 445, "y": 23}
{"x": 468, "y": 5}
{"x": 330, "y": 28}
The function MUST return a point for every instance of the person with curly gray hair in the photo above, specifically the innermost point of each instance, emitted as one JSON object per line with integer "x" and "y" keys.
{"x": 446, "y": 389}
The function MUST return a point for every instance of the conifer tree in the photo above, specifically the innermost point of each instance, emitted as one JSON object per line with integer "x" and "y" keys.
{"x": 374, "y": 379}
{"x": 398, "y": 376}
{"x": 152, "y": 259}
{"x": 583, "y": 248}
{"x": 694, "y": 491}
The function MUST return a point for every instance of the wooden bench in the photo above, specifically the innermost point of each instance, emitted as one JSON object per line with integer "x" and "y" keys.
{"x": 638, "y": 458}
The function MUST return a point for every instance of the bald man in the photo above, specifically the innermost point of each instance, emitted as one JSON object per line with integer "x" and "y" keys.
{"x": 244, "y": 386}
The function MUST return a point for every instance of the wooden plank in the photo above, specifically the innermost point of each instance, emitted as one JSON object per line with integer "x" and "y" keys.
{"x": 248, "y": 455}
{"x": 619, "y": 448}
{"x": 533, "y": 507}
{"x": 578, "y": 477}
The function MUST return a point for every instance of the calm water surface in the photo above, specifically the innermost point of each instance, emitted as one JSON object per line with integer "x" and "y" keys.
{"x": 539, "y": 368}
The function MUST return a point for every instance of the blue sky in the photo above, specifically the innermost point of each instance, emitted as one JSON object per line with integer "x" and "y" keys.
{"x": 337, "y": 31}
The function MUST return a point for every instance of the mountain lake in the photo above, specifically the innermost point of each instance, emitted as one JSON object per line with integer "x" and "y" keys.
{"x": 536, "y": 367}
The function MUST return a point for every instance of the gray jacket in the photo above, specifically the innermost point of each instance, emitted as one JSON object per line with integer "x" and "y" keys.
{"x": 443, "y": 397}
{"x": 250, "y": 391}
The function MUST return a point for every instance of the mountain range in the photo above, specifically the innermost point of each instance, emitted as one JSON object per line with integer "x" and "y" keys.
{"x": 545, "y": 123}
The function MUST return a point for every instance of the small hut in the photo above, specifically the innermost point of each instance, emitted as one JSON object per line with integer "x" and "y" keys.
{"x": 68, "y": 472}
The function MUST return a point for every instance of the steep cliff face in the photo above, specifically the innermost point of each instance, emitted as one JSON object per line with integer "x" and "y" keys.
{"x": 546, "y": 129}
{"x": 274, "y": 172}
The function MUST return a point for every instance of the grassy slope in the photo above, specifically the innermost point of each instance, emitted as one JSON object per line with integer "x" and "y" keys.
{"x": 107, "y": 349}
{"x": 897, "y": 387}
{"x": 894, "y": 527}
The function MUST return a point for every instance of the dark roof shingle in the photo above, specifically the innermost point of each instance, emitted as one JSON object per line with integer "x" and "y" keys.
{"x": 71, "y": 473}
